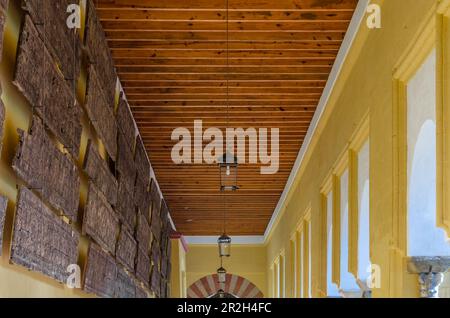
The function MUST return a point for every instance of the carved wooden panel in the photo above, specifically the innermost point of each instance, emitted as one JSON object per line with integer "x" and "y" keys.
{"x": 98, "y": 171}
{"x": 125, "y": 122}
{"x": 100, "y": 221}
{"x": 3, "y": 206}
{"x": 125, "y": 285}
{"x": 156, "y": 199}
{"x": 156, "y": 227}
{"x": 143, "y": 234}
{"x": 100, "y": 272}
{"x": 3, "y": 9}
{"x": 155, "y": 284}
{"x": 141, "y": 292}
{"x": 142, "y": 163}
{"x": 99, "y": 53}
{"x": 126, "y": 249}
{"x": 50, "y": 18}
{"x": 52, "y": 99}
{"x": 48, "y": 171}
{"x": 2, "y": 121}
{"x": 125, "y": 163}
{"x": 156, "y": 254}
{"x": 41, "y": 241}
{"x": 143, "y": 266}
{"x": 100, "y": 113}
{"x": 142, "y": 197}
{"x": 125, "y": 206}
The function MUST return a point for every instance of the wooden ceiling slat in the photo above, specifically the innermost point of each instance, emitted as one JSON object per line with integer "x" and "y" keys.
{"x": 217, "y": 14}
{"x": 172, "y": 60}
{"x": 232, "y": 4}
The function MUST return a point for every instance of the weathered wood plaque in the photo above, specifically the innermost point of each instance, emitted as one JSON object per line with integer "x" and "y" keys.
{"x": 100, "y": 113}
{"x": 125, "y": 286}
{"x": 3, "y": 206}
{"x": 100, "y": 221}
{"x": 125, "y": 163}
{"x": 99, "y": 53}
{"x": 141, "y": 160}
{"x": 48, "y": 171}
{"x": 3, "y": 9}
{"x": 143, "y": 234}
{"x": 98, "y": 171}
{"x": 126, "y": 249}
{"x": 125, "y": 206}
{"x": 2, "y": 121}
{"x": 156, "y": 254}
{"x": 142, "y": 197}
{"x": 125, "y": 121}
{"x": 37, "y": 77}
{"x": 100, "y": 273}
{"x": 143, "y": 266}
{"x": 50, "y": 18}
{"x": 155, "y": 281}
{"x": 41, "y": 241}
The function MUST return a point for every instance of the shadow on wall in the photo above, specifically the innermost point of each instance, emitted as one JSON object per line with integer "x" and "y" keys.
{"x": 235, "y": 285}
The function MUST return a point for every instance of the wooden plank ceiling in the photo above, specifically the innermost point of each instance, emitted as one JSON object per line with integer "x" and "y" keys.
{"x": 171, "y": 59}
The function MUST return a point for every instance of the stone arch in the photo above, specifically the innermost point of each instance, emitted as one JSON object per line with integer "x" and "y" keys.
{"x": 235, "y": 285}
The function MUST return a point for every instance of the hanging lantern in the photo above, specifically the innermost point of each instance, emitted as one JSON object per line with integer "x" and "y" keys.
{"x": 221, "y": 293}
{"x": 222, "y": 275}
{"x": 228, "y": 165}
{"x": 224, "y": 243}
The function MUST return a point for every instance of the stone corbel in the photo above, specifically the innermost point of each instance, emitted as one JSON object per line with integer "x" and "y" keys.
{"x": 431, "y": 273}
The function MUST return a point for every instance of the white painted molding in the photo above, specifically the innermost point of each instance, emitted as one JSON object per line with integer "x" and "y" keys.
{"x": 212, "y": 240}
{"x": 350, "y": 36}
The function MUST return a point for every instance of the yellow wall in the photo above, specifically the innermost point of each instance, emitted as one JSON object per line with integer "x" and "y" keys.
{"x": 365, "y": 87}
{"x": 248, "y": 261}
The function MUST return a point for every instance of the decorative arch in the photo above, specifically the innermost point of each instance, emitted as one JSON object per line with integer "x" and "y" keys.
{"x": 235, "y": 285}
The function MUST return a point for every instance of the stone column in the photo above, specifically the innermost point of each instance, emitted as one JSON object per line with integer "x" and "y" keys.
{"x": 431, "y": 273}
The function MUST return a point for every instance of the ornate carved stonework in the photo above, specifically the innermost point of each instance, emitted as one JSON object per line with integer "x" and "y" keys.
{"x": 431, "y": 273}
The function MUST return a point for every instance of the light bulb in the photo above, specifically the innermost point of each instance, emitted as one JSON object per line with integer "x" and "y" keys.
{"x": 228, "y": 170}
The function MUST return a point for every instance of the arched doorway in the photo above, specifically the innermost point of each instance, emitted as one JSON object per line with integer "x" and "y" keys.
{"x": 235, "y": 285}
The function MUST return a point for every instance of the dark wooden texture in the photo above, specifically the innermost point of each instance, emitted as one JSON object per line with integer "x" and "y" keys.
{"x": 3, "y": 206}
{"x": 50, "y": 18}
{"x": 155, "y": 281}
{"x": 125, "y": 285}
{"x": 41, "y": 241}
{"x": 125, "y": 163}
{"x": 37, "y": 77}
{"x": 142, "y": 197}
{"x": 142, "y": 164}
{"x": 143, "y": 234}
{"x": 126, "y": 249}
{"x": 101, "y": 113}
{"x": 98, "y": 171}
{"x": 156, "y": 254}
{"x": 99, "y": 53}
{"x": 3, "y": 10}
{"x": 125, "y": 121}
{"x": 2, "y": 121}
{"x": 48, "y": 171}
{"x": 100, "y": 221}
{"x": 156, "y": 199}
{"x": 174, "y": 60}
{"x": 143, "y": 266}
{"x": 125, "y": 206}
{"x": 100, "y": 273}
